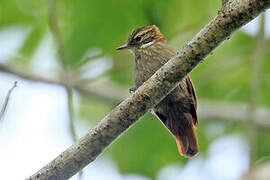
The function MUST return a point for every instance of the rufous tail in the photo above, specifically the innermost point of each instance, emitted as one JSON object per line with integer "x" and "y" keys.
{"x": 188, "y": 143}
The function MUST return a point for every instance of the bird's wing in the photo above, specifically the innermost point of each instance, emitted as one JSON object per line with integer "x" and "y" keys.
{"x": 192, "y": 95}
{"x": 177, "y": 112}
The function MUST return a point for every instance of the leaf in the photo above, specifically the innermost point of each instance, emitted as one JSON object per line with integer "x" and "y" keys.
{"x": 147, "y": 147}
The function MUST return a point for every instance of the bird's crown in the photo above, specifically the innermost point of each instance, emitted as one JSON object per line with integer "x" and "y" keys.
{"x": 144, "y": 36}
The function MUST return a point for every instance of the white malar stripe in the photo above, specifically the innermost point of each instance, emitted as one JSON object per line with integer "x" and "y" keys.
{"x": 132, "y": 51}
{"x": 147, "y": 44}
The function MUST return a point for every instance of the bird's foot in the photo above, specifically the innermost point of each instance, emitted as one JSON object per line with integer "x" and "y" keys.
{"x": 132, "y": 90}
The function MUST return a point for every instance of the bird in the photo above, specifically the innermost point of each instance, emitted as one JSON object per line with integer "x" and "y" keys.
{"x": 178, "y": 110}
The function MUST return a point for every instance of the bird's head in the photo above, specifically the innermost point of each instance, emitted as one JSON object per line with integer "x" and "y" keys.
{"x": 143, "y": 37}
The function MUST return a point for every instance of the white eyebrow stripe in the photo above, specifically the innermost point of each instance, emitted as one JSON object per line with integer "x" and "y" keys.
{"x": 147, "y": 44}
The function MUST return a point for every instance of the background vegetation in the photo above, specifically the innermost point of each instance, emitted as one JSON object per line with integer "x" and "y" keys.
{"x": 89, "y": 32}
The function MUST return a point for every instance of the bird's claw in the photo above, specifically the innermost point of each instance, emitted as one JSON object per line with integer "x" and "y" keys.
{"x": 132, "y": 90}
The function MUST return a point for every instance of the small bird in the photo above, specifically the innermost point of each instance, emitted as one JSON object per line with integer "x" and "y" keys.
{"x": 177, "y": 111}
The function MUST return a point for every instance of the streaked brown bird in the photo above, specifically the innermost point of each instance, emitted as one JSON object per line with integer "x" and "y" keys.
{"x": 177, "y": 111}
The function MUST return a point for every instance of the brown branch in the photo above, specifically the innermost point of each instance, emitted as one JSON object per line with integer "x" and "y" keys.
{"x": 229, "y": 19}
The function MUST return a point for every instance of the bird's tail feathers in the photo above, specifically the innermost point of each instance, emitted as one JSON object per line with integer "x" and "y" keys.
{"x": 187, "y": 143}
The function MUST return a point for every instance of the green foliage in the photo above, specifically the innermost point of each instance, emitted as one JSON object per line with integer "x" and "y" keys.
{"x": 265, "y": 81}
{"x": 31, "y": 43}
{"x": 263, "y": 146}
{"x": 226, "y": 72}
{"x": 105, "y": 24}
{"x": 92, "y": 109}
{"x": 145, "y": 148}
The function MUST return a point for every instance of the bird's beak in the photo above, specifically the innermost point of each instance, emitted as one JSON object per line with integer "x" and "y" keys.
{"x": 125, "y": 46}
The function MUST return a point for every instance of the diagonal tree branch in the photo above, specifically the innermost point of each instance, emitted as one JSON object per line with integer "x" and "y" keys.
{"x": 229, "y": 19}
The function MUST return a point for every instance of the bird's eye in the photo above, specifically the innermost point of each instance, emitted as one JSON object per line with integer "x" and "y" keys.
{"x": 138, "y": 38}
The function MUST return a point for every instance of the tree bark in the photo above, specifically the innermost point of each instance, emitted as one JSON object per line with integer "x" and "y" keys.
{"x": 229, "y": 18}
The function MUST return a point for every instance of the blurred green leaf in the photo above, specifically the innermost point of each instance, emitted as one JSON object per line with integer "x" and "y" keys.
{"x": 263, "y": 146}
{"x": 30, "y": 45}
{"x": 104, "y": 25}
{"x": 92, "y": 109}
{"x": 225, "y": 74}
{"x": 148, "y": 146}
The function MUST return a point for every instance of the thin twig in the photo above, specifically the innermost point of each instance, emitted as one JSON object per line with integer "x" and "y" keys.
{"x": 4, "y": 108}
{"x": 71, "y": 120}
{"x": 86, "y": 150}
{"x": 54, "y": 26}
{"x": 109, "y": 92}
{"x": 86, "y": 60}
{"x": 18, "y": 71}
{"x": 255, "y": 81}
{"x": 71, "y": 115}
